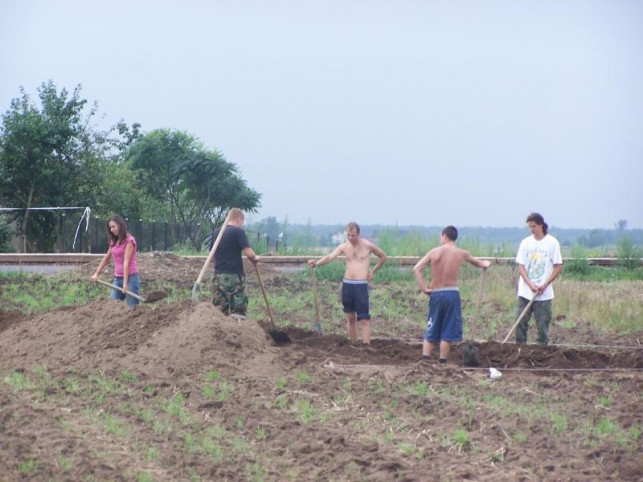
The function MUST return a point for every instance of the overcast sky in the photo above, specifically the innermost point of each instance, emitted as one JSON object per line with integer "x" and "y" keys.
{"x": 471, "y": 113}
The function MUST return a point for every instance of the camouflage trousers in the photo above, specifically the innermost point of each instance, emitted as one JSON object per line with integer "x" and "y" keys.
{"x": 229, "y": 293}
{"x": 542, "y": 312}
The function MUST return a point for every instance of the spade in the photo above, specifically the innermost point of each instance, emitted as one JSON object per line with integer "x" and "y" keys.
{"x": 280, "y": 337}
{"x": 470, "y": 352}
{"x": 151, "y": 298}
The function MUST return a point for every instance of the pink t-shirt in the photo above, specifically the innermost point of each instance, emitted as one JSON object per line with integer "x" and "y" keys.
{"x": 118, "y": 254}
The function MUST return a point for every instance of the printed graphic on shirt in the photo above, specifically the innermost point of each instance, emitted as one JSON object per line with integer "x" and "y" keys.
{"x": 537, "y": 267}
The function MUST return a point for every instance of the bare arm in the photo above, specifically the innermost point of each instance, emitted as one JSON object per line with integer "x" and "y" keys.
{"x": 328, "y": 258}
{"x": 251, "y": 255}
{"x": 129, "y": 252}
{"x": 558, "y": 268}
{"x": 102, "y": 265}
{"x": 418, "y": 272}
{"x": 523, "y": 274}
{"x": 477, "y": 261}
{"x": 377, "y": 251}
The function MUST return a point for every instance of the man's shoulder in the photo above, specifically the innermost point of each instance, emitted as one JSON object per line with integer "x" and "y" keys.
{"x": 552, "y": 240}
{"x": 368, "y": 243}
{"x": 526, "y": 242}
{"x": 235, "y": 230}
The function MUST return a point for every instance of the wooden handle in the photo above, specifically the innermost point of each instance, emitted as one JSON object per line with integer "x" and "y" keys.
{"x": 316, "y": 295}
{"x": 522, "y": 315}
{"x": 134, "y": 295}
{"x": 265, "y": 296}
{"x": 478, "y": 300}
{"x": 211, "y": 254}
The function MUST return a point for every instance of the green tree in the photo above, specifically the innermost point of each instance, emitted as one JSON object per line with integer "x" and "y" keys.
{"x": 50, "y": 155}
{"x": 270, "y": 227}
{"x": 621, "y": 224}
{"x": 197, "y": 185}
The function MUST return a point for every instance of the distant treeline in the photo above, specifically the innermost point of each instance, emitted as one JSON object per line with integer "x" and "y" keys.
{"x": 591, "y": 238}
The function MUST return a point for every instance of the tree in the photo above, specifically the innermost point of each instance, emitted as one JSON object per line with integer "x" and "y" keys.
{"x": 270, "y": 227}
{"x": 621, "y": 224}
{"x": 197, "y": 185}
{"x": 50, "y": 155}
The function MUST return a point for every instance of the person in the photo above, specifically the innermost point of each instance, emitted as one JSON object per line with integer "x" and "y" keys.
{"x": 355, "y": 298}
{"x": 122, "y": 248}
{"x": 444, "y": 319}
{"x": 229, "y": 277}
{"x": 539, "y": 263}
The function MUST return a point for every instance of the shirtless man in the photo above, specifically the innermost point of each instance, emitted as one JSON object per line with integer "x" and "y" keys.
{"x": 445, "y": 313}
{"x": 356, "y": 279}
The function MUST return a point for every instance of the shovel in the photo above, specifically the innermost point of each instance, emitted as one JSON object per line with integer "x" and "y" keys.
{"x": 195, "y": 288}
{"x": 151, "y": 298}
{"x": 279, "y": 337}
{"x": 318, "y": 327}
{"x": 471, "y": 353}
{"x": 522, "y": 315}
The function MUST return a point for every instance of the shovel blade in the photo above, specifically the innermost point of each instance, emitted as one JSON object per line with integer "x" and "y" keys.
{"x": 318, "y": 327}
{"x": 279, "y": 337}
{"x": 155, "y": 296}
{"x": 471, "y": 355}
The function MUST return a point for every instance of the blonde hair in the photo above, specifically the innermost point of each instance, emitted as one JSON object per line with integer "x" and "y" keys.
{"x": 236, "y": 214}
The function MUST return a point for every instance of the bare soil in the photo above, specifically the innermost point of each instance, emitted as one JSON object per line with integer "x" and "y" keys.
{"x": 319, "y": 408}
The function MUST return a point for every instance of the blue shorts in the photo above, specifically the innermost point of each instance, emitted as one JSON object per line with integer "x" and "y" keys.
{"x": 445, "y": 316}
{"x": 355, "y": 298}
{"x": 132, "y": 287}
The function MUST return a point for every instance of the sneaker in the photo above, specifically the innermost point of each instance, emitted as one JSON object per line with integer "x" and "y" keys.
{"x": 237, "y": 316}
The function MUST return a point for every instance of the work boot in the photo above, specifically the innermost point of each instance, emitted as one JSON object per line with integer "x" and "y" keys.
{"x": 237, "y": 316}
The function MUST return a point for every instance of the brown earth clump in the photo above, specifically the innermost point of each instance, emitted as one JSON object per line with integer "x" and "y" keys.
{"x": 193, "y": 394}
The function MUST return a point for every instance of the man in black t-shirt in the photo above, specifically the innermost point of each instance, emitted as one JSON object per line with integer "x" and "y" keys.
{"x": 229, "y": 277}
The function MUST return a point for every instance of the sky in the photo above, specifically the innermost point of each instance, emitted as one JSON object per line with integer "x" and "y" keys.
{"x": 408, "y": 112}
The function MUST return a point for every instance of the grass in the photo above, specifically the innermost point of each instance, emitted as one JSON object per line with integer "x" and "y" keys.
{"x": 161, "y": 409}
{"x": 123, "y": 407}
{"x": 602, "y": 298}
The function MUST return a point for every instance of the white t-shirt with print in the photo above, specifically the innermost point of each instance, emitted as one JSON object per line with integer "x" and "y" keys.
{"x": 538, "y": 258}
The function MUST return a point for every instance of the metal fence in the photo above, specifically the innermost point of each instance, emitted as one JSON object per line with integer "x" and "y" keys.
{"x": 150, "y": 236}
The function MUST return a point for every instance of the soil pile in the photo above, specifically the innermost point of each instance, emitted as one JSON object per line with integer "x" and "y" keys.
{"x": 106, "y": 335}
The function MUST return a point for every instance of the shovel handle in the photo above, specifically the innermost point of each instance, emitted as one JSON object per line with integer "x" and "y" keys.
{"x": 133, "y": 295}
{"x": 209, "y": 259}
{"x": 316, "y": 294}
{"x": 265, "y": 297}
{"x": 522, "y": 315}
{"x": 478, "y": 300}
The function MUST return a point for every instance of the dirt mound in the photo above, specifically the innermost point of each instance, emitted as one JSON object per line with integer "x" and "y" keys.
{"x": 106, "y": 335}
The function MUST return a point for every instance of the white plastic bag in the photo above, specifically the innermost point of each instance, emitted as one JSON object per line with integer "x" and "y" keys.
{"x": 493, "y": 373}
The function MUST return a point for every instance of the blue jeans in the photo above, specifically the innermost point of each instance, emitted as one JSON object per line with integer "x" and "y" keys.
{"x": 132, "y": 287}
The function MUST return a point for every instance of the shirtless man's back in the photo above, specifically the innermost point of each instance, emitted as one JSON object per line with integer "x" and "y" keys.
{"x": 445, "y": 312}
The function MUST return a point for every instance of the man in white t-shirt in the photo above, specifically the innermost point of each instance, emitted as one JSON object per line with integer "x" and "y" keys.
{"x": 539, "y": 262}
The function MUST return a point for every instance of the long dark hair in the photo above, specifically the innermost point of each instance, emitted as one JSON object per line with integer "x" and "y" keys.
{"x": 538, "y": 219}
{"x": 122, "y": 231}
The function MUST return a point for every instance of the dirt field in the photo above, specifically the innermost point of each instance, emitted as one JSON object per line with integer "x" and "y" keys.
{"x": 176, "y": 391}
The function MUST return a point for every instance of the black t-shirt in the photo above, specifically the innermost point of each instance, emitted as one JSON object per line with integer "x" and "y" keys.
{"x": 228, "y": 254}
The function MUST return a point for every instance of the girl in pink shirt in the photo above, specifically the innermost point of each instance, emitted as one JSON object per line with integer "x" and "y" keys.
{"x": 122, "y": 247}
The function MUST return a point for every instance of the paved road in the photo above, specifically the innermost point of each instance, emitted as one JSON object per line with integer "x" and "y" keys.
{"x": 37, "y": 268}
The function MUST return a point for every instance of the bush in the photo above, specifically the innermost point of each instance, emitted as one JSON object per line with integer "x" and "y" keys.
{"x": 628, "y": 254}
{"x": 577, "y": 265}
